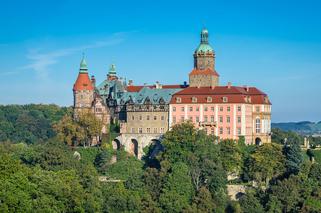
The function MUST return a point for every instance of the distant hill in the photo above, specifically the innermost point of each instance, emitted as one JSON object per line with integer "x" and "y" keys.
{"x": 303, "y": 127}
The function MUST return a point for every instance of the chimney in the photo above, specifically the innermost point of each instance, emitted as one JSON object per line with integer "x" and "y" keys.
{"x": 212, "y": 87}
{"x": 130, "y": 82}
{"x": 229, "y": 84}
{"x": 93, "y": 81}
{"x": 247, "y": 88}
{"x": 158, "y": 85}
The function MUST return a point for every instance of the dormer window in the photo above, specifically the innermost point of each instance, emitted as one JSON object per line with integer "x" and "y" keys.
{"x": 194, "y": 99}
{"x": 225, "y": 99}
{"x": 178, "y": 100}
{"x": 209, "y": 99}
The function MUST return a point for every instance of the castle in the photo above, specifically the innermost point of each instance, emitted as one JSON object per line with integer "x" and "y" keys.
{"x": 146, "y": 112}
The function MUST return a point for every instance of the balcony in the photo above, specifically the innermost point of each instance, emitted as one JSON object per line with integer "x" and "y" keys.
{"x": 207, "y": 123}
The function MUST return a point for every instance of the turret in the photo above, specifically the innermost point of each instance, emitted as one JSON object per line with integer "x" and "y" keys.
{"x": 112, "y": 73}
{"x": 83, "y": 89}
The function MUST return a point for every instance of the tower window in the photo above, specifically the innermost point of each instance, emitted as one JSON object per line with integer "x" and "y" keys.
{"x": 257, "y": 125}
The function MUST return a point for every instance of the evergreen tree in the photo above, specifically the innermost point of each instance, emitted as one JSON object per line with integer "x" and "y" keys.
{"x": 293, "y": 155}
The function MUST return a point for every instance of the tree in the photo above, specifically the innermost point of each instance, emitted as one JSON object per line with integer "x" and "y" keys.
{"x": 250, "y": 204}
{"x": 69, "y": 131}
{"x": 293, "y": 155}
{"x": 91, "y": 124}
{"x": 266, "y": 162}
{"x": 231, "y": 154}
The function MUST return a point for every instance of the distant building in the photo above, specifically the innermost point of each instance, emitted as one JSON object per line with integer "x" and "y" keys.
{"x": 146, "y": 112}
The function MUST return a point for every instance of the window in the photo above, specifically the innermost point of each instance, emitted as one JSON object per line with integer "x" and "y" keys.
{"x": 212, "y": 109}
{"x": 205, "y": 109}
{"x": 238, "y": 119}
{"x": 212, "y": 131}
{"x": 239, "y": 108}
{"x": 221, "y": 109}
{"x": 140, "y": 130}
{"x": 228, "y": 130}
{"x": 239, "y": 131}
{"x": 133, "y": 117}
{"x": 194, "y": 99}
{"x": 212, "y": 118}
{"x": 191, "y": 109}
{"x": 98, "y": 110}
{"x": 155, "y": 130}
{"x": 197, "y": 119}
{"x": 162, "y": 130}
{"x": 132, "y": 130}
{"x": 228, "y": 119}
{"x": 174, "y": 109}
{"x": 147, "y": 118}
{"x": 148, "y": 130}
{"x": 225, "y": 99}
{"x": 221, "y": 119}
{"x": 182, "y": 118}
{"x": 162, "y": 117}
{"x": 174, "y": 119}
{"x": 182, "y": 109}
{"x": 197, "y": 109}
{"x": 221, "y": 130}
{"x": 228, "y": 109}
{"x": 155, "y": 118}
{"x": 178, "y": 100}
{"x": 209, "y": 99}
{"x": 205, "y": 118}
{"x": 257, "y": 125}
{"x": 140, "y": 117}
{"x": 257, "y": 109}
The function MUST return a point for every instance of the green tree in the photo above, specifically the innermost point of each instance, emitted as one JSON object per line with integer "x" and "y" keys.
{"x": 250, "y": 203}
{"x": 293, "y": 155}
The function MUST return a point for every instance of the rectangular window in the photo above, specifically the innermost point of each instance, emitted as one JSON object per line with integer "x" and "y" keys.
{"x": 221, "y": 119}
{"x": 212, "y": 131}
{"x": 132, "y": 130}
{"x": 191, "y": 109}
{"x": 182, "y": 118}
{"x": 238, "y": 119}
{"x": 212, "y": 118}
{"x": 212, "y": 109}
{"x": 147, "y": 118}
{"x": 257, "y": 109}
{"x": 197, "y": 109}
{"x": 155, "y": 130}
{"x": 140, "y": 130}
{"x": 148, "y": 130}
{"x": 239, "y": 108}
{"x": 182, "y": 109}
{"x": 140, "y": 117}
{"x": 258, "y": 125}
{"x": 162, "y": 130}
{"x": 174, "y": 119}
{"x": 155, "y": 118}
{"x": 133, "y": 117}
{"x": 174, "y": 109}
{"x": 228, "y": 130}
{"x": 162, "y": 117}
{"x": 221, "y": 109}
{"x": 228, "y": 109}
{"x": 221, "y": 130}
{"x": 205, "y": 118}
{"x": 239, "y": 131}
{"x": 197, "y": 119}
{"x": 228, "y": 119}
{"x": 205, "y": 109}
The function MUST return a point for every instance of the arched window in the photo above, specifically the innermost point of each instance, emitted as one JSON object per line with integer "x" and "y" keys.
{"x": 258, "y": 125}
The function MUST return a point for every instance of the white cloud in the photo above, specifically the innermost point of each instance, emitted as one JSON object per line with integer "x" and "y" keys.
{"x": 41, "y": 61}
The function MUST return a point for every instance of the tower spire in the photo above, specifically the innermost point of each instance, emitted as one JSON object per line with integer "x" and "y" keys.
{"x": 83, "y": 65}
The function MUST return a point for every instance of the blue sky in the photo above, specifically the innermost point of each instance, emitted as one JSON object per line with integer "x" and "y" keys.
{"x": 273, "y": 45}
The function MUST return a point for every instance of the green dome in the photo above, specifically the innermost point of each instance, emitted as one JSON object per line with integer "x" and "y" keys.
{"x": 204, "y": 45}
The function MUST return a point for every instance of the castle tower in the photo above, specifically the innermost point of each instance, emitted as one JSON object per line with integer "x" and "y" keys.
{"x": 112, "y": 73}
{"x": 83, "y": 90}
{"x": 204, "y": 74}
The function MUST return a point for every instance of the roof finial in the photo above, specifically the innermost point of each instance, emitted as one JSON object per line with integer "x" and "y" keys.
{"x": 204, "y": 36}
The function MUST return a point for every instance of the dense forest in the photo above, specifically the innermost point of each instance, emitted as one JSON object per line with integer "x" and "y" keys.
{"x": 39, "y": 172}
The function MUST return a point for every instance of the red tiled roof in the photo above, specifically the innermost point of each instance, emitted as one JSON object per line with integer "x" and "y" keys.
{"x": 83, "y": 82}
{"x": 207, "y": 71}
{"x": 234, "y": 94}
